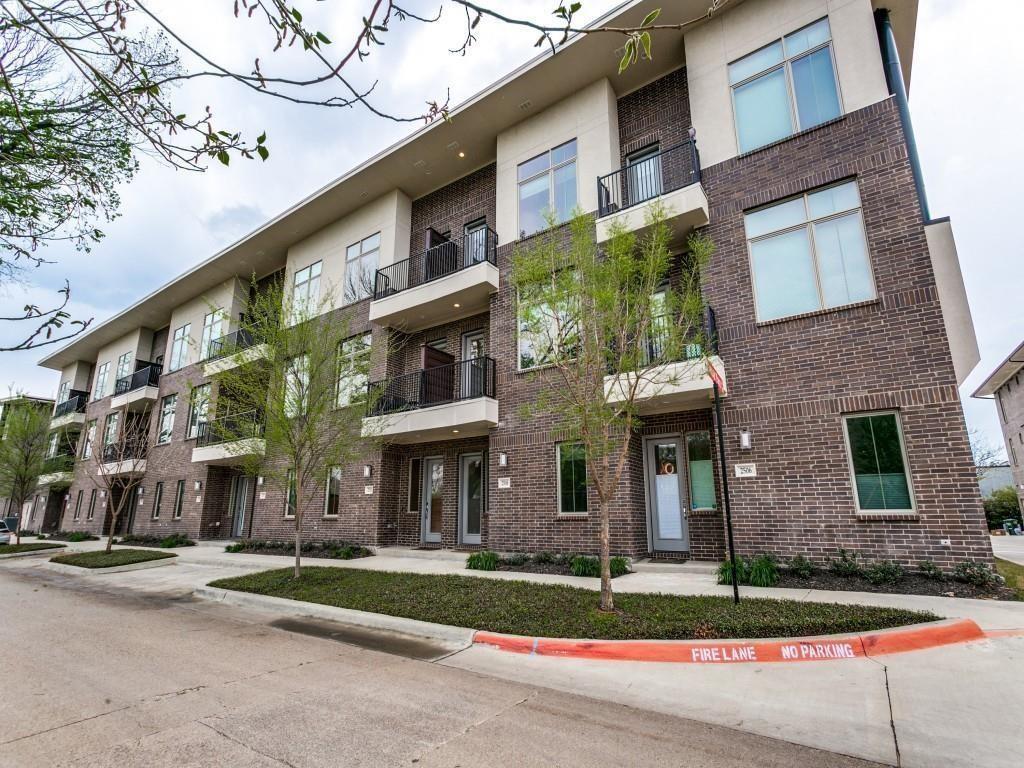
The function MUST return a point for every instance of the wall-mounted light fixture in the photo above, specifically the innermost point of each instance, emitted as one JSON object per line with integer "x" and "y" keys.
{"x": 141, "y": 491}
{"x": 259, "y": 480}
{"x": 745, "y": 440}
{"x": 502, "y": 459}
{"x": 367, "y": 470}
{"x": 198, "y": 484}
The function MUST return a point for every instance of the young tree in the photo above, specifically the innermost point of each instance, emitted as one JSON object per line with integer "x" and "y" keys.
{"x": 297, "y": 411}
{"x": 120, "y": 462}
{"x": 608, "y": 327}
{"x": 23, "y": 453}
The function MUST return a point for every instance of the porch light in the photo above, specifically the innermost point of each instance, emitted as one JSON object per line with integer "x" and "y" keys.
{"x": 745, "y": 440}
{"x": 502, "y": 459}
{"x": 198, "y": 484}
{"x": 367, "y": 470}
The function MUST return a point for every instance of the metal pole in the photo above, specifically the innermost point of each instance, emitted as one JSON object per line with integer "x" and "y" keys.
{"x": 725, "y": 493}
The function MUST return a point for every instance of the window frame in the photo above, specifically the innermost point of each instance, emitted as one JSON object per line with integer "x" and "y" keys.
{"x": 173, "y": 398}
{"x": 211, "y": 320}
{"x": 327, "y": 491}
{"x": 519, "y": 332}
{"x": 549, "y": 172}
{"x": 111, "y": 423}
{"x": 300, "y": 310}
{"x": 807, "y": 225}
{"x": 90, "y": 437}
{"x": 100, "y": 385}
{"x": 786, "y": 64}
{"x": 62, "y": 391}
{"x": 193, "y": 411}
{"x": 124, "y": 366}
{"x": 158, "y": 496}
{"x": 903, "y": 452}
{"x": 358, "y": 259}
{"x": 415, "y": 494}
{"x": 179, "y": 499}
{"x": 361, "y": 346}
{"x": 689, "y": 476}
{"x": 296, "y": 382}
{"x": 78, "y": 505}
{"x": 290, "y": 495}
{"x": 179, "y": 347}
{"x": 558, "y": 481}
{"x": 90, "y": 513}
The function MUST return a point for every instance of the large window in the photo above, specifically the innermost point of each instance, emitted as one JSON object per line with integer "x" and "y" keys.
{"x": 306, "y": 292}
{"x": 90, "y": 435}
{"x": 572, "y": 478}
{"x": 702, "y": 474}
{"x": 785, "y": 87}
{"x": 179, "y": 499}
{"x": 198, "y": 407}
{"x": 213, "y": 329}
{"x": 62, "y": 393}
{"x": 289, "y": 496}
{"x": 167, "y": 408}
{"x": 179, "y": 347}
{"x": 361, "y": 260}
{"x": 296, "y": 386}
{"x": 110, "y": 428}
{"x": 51, "y": 445}
{"x": 78, "y": 505}
{"x": 158, "y": 496}
{"x": 809, "y": 253}
{"x": 332, "y": 500}
{"x": 547, "y": 187}
{"x": 415, "y": 480}
{"x": 353, "y": 369}
{"x": 124, "y": 366}
{"x": 100, "y": 390}
{"x": 544, "y": 331}
{"x": 879, "y": 463}
{"x": 92, "y": 506}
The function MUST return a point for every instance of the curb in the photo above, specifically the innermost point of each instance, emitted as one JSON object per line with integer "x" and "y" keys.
{"x": 48, "y": 551}
{"x": 79, "y": 570}
{"x": 915, "y": 637}
{"x": 458, "y": 637}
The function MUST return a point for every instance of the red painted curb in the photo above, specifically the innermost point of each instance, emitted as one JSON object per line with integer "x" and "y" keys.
{"x": 829, "y": 647}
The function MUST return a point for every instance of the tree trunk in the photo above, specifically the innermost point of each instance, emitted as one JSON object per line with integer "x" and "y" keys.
{"x": 298, "y": 527}
{"x": 21, "y": 513}
{"x": 607, "y": 602}
{"x": 110, "y": 533}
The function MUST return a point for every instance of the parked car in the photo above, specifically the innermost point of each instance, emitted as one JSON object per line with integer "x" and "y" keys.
{"x": 5, "y": 533}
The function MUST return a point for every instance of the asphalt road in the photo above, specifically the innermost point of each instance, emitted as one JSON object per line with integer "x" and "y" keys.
{"x": 94, "y": 676}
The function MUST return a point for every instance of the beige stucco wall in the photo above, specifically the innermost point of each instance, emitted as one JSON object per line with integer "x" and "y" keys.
{"x": 591, "y": 117}
{"x": 956, "y": 312}
{"x": 751, "y": 25}
{"x": 78, "y": 375}
{"x": 139, "y": 342}
{"x": 230, "y": 296}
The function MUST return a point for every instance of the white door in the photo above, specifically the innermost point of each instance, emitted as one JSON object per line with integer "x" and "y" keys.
{"x": 433, "y": 500}
{"x": 471, "y": 496}
{"x": 666, "y": 495}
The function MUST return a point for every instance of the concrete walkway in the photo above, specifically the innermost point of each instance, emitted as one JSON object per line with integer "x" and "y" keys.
{"x": 1009, "y": 548}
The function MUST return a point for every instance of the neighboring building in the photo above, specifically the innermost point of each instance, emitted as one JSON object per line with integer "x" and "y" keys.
{"x": 843, "y": 329}
{"x": 992, "y": 478}
{"x": 1005, "y": 385}
{"x": 45, "y": 507}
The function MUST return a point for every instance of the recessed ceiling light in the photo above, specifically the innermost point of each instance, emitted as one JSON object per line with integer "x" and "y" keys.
{"x": 456, "y": 305}
{"x": 455, "y": 431}
{"x": 462, "y": 154}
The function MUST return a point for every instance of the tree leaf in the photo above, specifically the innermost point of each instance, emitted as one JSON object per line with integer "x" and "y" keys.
{"x": 626, "y": 56}
{"x": 263, "y": 152}
{"x": 224, "y": 157}
{"x": 651, "y": 17}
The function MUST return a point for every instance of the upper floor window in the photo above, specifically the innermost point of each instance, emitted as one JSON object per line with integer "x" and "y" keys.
{"x": 809, "y": 253}
{"x": 306, "y": 292}
{"x": 361, "y": 261}
{"x": 545, "y": 332}
{"x": 100, "y": 390}
{"x": 296, "y": 386}
{"x": 785, "y": 87}
{"x": 353, "y": 369}
{"x": 167, "y": 407}
{"x": 90, "y": 436}
{"x": 197, "y": 408}
{"x": 879, "y": 463}
{"x": 547, "y": 187}
{"x": 62, "y": 393}
{"x": 51, "y": 446}
{"x": 213, "y": 329}
{"x": 110, "y": 428}
{"x": 179, "y": 347}
{"x": 124, "y": 366}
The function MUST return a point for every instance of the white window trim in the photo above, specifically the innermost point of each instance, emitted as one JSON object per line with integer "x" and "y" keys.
{"x": 359, "y": 350}
{"x": 179, "y": 361}
{"x": 519, "y": 359}
{"x": 790, "y": 89}
{"x": 100, "y": 385}
{"x": 359, "y": 260}
{"x": 160, "y": 419}
{"x": 327, "y": 492}
{"x": 558, "y": 480}
{"x": 193, "y": 402}
{"x": 550, "y": 170}
{"x": 906, "y": 465}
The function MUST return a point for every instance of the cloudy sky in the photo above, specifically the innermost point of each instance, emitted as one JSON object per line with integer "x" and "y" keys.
{"x": 967, "y": 68}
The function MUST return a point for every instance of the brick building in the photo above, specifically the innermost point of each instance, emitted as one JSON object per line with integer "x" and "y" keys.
{"x": 777, "y": 127}
{"x": 1005, "y": 385}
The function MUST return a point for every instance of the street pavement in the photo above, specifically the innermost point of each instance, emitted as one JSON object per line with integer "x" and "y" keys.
{"x": 1009, "y": 548}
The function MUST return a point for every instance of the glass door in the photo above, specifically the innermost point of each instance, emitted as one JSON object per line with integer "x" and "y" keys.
{"x": 473, "y": 373}
{"x": 471, "y": 496}
{"x": 643, "y": 170}
{"x": 666, "y": 495}
{"x": 239, "y": 497}
{"x": 433, "y": 499}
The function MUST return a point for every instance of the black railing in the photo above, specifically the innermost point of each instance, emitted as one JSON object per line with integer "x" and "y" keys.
{"x": 443, "y": 259}
{"x": 147, "y": 376}
{"x": 127, "y": 451}
{"x": 226, "y": 429}
{"x": 230, "y": 343}
{"x": 74, "y": 404}
{"x": 648, "y": 177}
{"x": 433, "y": 386}
{"x": 62, "y": 462}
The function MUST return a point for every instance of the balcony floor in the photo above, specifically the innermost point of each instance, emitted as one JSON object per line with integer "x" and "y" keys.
{"x": 447, "y": 421}
{"x": 685, "y": 209}
{"x": 460, "y": 294}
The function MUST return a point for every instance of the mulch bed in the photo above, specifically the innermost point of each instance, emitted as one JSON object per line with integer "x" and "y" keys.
{"x": 911, "y": 584}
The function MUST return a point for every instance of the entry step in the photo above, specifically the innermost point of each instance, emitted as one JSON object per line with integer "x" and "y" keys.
{"x": 649, "y": 565}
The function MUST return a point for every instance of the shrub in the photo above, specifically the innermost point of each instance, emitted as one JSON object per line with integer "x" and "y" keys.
{"x": 763, "y": 571}
{"x": 41, "y": 536}
{"x": 978, "y": 574}
{"x": 846, "y": 565}
{"x": 930, "y": 570}
{"x": 177, "y": 540}
{"x": 516, "y": 559}
{"x": 801, "y": 567}
{"x": 585, "y": 565}
{"x": 76, "y": 536}
{"x": 482, "y": 561}
{"x": 619, "y": 566}
{"x": 234, "y": 547}
{"x": 1002, "y": 505}
{"x": 883, "y": 572}
{"x": 544, "y": 558}
{"x": 725, "y": 572}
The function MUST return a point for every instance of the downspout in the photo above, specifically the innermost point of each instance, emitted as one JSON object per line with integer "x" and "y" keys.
{"x": 898, "y": 90}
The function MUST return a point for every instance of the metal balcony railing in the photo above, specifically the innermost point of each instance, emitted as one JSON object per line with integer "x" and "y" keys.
{"x": 440, "y": 261}
{"x": 147, "y": 376}
{"x": 230, "y": 343}
{"x": 126, "y": 451}
{"x": 76, "y": 403}
{"x": 450, "y": 383}
{"x": 62, "y": 462}
{"x": 226, "y": 429}
{"x": 648, "y": 178}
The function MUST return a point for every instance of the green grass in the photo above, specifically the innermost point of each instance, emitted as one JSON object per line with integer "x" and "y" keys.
{"x": 101, "y": 559}
{"x": 524, "y": 608}
{"x": 1014, "y": 575}
{"x": 10, "y": 549}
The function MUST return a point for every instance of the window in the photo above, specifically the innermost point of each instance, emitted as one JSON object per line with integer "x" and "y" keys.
{"x": 110, "y": 428}
{"x": 296, "y": 385}
{"x": 353, "y": 370}
{"x": 878, "y": 462}
{"x": 90, "y": 435}
{"x": 198, "y": 406}
{"x": 179, "y": 499}
{"x": 306, "y": 292}
{"x": 643, "y": 177}
{"x": 124, "y": 366}
{"x": 78, "y": 505}
{"x": 101, "y": 382}
{"x": 547, "y": 187}
{"x": 167, "y": 406}
{"x": 332, "y": 502}
{"x": 51, "y": 446}
{"x": 361, "y": 261}
{"x": 702, "y": 474}
{"x": 543, "y": 331}
{"x": 809, "y": 253}
{"x": 92, "y": 505}
{"x": 289, "y": 501}
{"x": 785, "y": 87}
{"x": 572, "y": 479}
{"x": 158, "y": 496}
{"x": 179, "y": 347}
{"x": 213, "y": 324}
{"x": 999, "y": 402}
{"x": 62, "y": 393}
{"x": 415, "y": 478}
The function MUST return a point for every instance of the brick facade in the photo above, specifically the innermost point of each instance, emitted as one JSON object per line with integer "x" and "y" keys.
{"x": 1010, "y": 405}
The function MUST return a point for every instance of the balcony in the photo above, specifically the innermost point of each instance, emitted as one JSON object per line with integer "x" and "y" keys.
{"x": 230, "y": 439}
{"x": 126, "y": 458}
{"x": 57, "y": 471}
{"x": 445, "y": 402}
{"x": 678, "y": 385}
{"x": 236, "y": 348}
{"x": 670, "y": 178}
{"x": 71, "y": 411}
{"x": 450, "y": 280}
{"x": 139, "y": 390}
